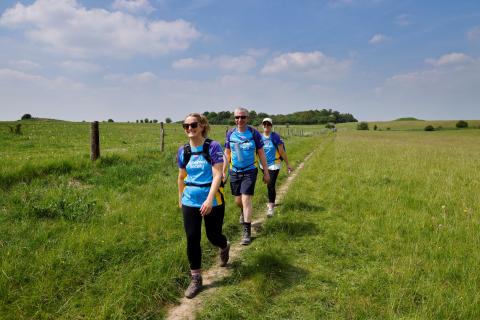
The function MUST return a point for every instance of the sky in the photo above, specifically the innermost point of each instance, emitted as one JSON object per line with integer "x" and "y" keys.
{"x": 86, "y": 60}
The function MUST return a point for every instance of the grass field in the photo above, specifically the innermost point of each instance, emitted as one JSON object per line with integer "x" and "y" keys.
{"x": 379, "y": 224}
{"x": 103, "y": 240}
{"x": 415, "y": 125}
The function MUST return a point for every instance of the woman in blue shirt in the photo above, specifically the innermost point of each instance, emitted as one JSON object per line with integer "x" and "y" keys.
{"x": 275, "y": 152}
{"x": 200, "y": 195}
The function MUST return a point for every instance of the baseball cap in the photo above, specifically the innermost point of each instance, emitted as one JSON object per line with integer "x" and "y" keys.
{"x": 268, "y": 120}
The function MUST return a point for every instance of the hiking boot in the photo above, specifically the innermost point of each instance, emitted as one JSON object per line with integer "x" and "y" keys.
{"x": 270, "y": 212}
{"x": 224, "y": 255}
{"x": 240, "y": 220}
{"x": 194, "y": 287}
{"x": 247, "y": 234}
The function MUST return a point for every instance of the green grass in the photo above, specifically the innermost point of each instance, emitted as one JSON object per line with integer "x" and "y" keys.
{"x": 98, "y": 240}
{"x": 379, "y": 225}
{"x": 413, "y": 125}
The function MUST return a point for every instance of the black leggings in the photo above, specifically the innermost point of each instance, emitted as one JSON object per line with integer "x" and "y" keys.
{"x": 272, "y": 194}
{"x": 192, "y": 221}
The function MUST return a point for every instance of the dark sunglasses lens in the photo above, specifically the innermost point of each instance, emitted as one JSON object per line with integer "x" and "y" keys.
{"x": 192, "y": 125}
{"x": 241, "y": 117}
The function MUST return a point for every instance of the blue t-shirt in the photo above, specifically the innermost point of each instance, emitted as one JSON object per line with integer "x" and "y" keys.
{"x": 243, "y": 146}
{"x": 199, "y": 171}
{"x": 270, "y": 147}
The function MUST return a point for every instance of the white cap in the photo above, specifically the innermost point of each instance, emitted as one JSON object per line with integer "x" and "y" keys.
{"x": 268, "y": 120}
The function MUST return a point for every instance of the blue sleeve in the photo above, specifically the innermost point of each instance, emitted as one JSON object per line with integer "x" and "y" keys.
{"x": 276, "y": 139}
{"x": 180, "y": 163}
{"x": 216, "y": 152}
{"x": 257, "y": 137}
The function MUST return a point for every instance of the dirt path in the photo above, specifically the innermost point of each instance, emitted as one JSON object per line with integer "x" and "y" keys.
{"x": 188, "y": 308}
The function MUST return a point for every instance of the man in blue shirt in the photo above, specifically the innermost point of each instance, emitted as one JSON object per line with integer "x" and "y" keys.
{"x": 242, "y": 145}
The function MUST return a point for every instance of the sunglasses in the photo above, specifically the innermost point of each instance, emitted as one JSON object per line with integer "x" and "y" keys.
{"x": 240, "y": 117}
{"x": 266, "y": 124}
{"x": 192, "y": 125}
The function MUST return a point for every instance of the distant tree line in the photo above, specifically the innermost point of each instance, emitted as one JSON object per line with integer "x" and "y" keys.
{"x": 301, "y": 117}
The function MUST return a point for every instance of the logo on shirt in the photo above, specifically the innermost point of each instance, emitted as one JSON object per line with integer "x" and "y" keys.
{"x": 196, "y": 163}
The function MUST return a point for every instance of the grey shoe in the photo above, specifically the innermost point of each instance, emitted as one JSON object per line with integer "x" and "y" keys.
{"x": 270, "y": 212}
{"x": 247, "y": 235}
{"x": 240, "y": 220}
{"x": 224, "y": 255}
{"x": 194, "y": 287}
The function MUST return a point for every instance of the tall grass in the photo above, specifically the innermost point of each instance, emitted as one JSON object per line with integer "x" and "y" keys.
{"x": 97, "y": 240}
{"x": 377, "y": 226}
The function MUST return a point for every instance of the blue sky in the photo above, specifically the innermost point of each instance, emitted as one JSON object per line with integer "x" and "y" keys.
{"x": 134, "y": 59}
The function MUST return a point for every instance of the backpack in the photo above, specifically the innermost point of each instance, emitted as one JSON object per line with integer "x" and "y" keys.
{"x": 187, "y": 154}
{"x": 276, "y": 147}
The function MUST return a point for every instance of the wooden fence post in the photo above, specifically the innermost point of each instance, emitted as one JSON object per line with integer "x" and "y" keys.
{"x": 162, "y": 137}
{"x": 94, "y": 141}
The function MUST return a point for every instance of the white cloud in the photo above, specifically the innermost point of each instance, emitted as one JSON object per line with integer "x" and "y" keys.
{"x": 192, "y": 63}
{"x": 132, "y": 79}
{"x": 257, "y": 52}
{"x": 403, "y": 20}
{"x": 340, "y": 3}
{"x": 25, "y": 65}
{"x": 378, "y": 38}
{"x": 11, "y": 74}
{"x": 345, "y": 3}
{"x": 22, "y": 79}
{"x": 68, "y": 28}
{"x": 315, "y": 64}
{"x": 145, "y": 77}
{"x": 241, "y": 63}
{"x": 437, "y": 92}
{"x": 134, "y": 6}
{"x": 474, "y": 34}
{"x": 80, "y": 67}
{"x": 454, "y": 58}
{"x": 238, "y": 64}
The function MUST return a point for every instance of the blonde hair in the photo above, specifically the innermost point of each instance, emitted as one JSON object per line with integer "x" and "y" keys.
{"x": 201, "y": 120}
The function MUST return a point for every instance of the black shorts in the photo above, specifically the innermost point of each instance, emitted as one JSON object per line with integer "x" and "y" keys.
{"x": 243, "y": 182}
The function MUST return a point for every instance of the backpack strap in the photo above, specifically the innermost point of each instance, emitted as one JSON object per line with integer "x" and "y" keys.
{"x": 276, "y": 146}
{"x": 206, "y": 150}
{"x": 187, "y": 153}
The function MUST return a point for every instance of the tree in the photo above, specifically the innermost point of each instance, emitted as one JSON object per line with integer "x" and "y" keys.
{"x": 110, "y": 120}
{"x": 27, "y": 116}
{"x": 429, "y": 128}
{"x": 146, "y": 120}
{"x": 462, "y": 124}
{"x": 168, "y": 120}
{"x": 362, "y": 125}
